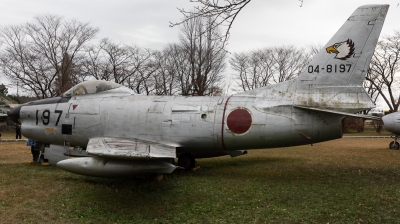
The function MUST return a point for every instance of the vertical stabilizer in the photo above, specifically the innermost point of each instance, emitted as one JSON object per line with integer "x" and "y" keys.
{"x": 344, "y": 60}
{"x": 333, "y": 79}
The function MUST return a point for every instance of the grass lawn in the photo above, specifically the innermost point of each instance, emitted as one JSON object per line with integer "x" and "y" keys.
{"x": 9, "y": 135}
{"x": 341, "y": 181}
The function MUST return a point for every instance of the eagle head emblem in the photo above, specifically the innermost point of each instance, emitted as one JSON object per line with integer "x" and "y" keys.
{"x": 343, "y": 50}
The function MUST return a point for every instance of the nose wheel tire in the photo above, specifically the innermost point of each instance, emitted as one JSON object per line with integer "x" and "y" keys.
{"x": 186, "y": 161}
{"x": 394, "y": 145}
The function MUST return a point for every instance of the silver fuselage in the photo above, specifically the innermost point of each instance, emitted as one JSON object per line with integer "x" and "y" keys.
{"x": 188, "y": 123}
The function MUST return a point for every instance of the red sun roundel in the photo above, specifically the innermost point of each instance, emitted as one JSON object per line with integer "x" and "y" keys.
{"x": 239, "y": 121}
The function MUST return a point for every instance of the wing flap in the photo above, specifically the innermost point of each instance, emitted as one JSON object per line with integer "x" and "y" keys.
{"x": 338, "y": 112}
{"x": 129, "y": 148}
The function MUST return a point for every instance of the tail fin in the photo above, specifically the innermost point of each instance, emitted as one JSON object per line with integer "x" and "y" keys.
{"x": 333, "y": 80}
{"x": 345, "y": 58}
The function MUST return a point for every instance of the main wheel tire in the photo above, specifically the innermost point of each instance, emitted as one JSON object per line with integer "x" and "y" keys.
{"x": 186, "y": 161}
{"x": 394, "y": 145}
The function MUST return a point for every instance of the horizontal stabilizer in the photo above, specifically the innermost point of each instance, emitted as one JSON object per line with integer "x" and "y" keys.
{"x": 124, "y": 148}
{"x": 339, "y": 112}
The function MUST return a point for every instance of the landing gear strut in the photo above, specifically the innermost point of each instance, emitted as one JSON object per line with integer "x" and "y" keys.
{"x": 394, "y": 145}
{"x": 186, "y": 161}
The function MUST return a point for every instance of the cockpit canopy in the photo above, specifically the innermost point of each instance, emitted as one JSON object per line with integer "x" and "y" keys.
{"x": 92, "y": 87}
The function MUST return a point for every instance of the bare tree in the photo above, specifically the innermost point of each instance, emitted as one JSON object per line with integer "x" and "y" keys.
{"x": 131, "y": 66}
{"x": 95, "y": 62}
{"x": 312, "y": 50}
{"x": 144, "y": 67}
{"x": 289, "y": 62}
{"x": 254, "y": 69}
{"x": 167, "y": 75}
{"x": 382, "y": 76}
{"x": 71, "y": 73}
{"x": 222, "y": 14}
{"x": 372, "y": 88}
{"x": 181, "y": 68}
{"x": 3, "y": 89}
{"x": 270, "y": 65}
{"x": 43, "y": 55}
{"x": 206, "y": 58}
{"x": 110, "y": 61}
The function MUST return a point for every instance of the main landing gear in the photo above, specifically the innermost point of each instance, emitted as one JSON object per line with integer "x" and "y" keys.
{"x": 186, "y": 161}
{"x": 394, "y": 145}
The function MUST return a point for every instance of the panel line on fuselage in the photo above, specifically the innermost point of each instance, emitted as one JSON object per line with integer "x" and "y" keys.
{"x": 223, "y": 122}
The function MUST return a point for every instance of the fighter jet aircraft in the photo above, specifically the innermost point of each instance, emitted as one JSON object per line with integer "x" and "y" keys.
{"x": 392, "y": 124}
{"x": 121, "y": 133}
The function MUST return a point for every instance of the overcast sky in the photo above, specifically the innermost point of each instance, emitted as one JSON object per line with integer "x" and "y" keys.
{"x": 262, "y": 23}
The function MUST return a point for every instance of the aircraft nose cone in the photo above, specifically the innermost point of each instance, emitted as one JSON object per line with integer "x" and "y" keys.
{"x": 14, "y": 114}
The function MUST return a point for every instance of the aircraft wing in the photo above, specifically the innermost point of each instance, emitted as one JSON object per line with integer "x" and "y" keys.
{"x": 338, "y": 112}
{"x": 125, "y": 148}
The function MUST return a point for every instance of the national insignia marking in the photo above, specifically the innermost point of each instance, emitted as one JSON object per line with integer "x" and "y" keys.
{"x": 239, "y": 121}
